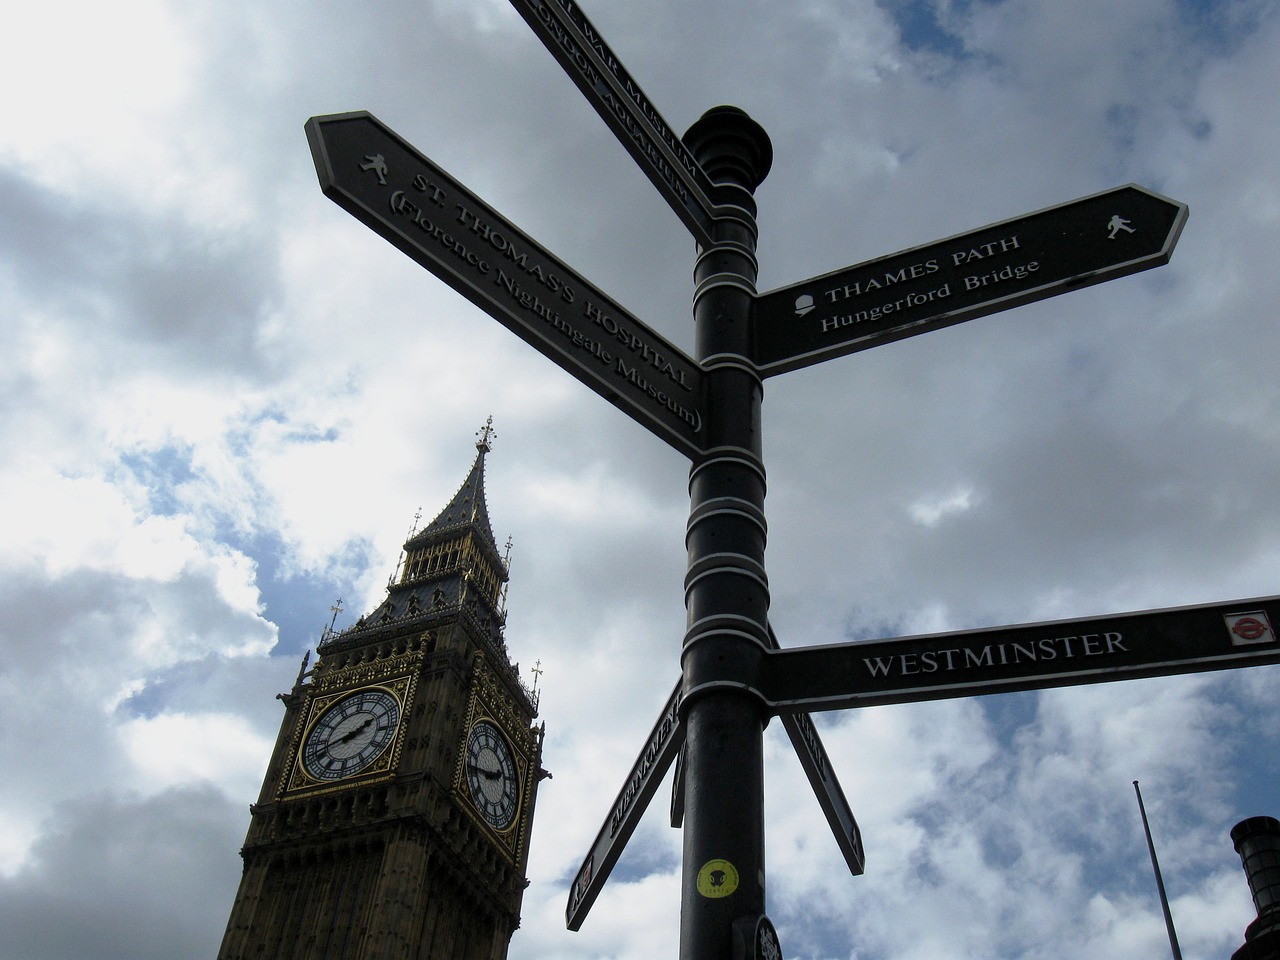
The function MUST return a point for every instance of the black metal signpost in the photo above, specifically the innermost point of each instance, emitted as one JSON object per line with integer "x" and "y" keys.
{"x": 734, "y": 676}
{"x": 660, "y": 748}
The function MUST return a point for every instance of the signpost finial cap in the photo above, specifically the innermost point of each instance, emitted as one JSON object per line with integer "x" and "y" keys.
{"x": 731, "y": 146}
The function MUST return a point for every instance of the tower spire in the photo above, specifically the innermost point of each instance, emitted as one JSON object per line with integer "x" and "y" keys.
{"x": 468, "y": 504}
{"x": 452, "y": 564}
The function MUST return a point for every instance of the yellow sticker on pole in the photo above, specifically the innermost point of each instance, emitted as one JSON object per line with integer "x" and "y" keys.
{"x": 717, "y": 878}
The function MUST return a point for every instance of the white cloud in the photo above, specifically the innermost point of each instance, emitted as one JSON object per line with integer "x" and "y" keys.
{"x": 931, "y": 512}
{"x": 173, "y": 750}
{"x": 126, "y": 72}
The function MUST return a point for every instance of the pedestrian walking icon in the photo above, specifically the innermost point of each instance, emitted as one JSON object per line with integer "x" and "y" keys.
{"x": 378, "y": 164}
{"x": 1117, "y": 224}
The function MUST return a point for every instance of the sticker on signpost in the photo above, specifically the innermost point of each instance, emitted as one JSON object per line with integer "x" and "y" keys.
{"x": 717, "y": 878}
{"x": 1249, "y": 628}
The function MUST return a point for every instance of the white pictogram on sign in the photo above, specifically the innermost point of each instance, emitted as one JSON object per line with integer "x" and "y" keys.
{"x": 378, "y": 164}
{"x": 1117, "y": 224}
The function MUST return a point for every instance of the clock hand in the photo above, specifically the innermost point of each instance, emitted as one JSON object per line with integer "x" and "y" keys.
{"x": 488, "y": 774}
{"x": 348, "y": 737}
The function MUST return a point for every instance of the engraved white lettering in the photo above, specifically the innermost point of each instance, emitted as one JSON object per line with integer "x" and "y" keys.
{"x": 508, "y": 249}
{"x": 888, "y": 278}
{"x": 875, "y": 313}
{"x": 567, "y": 42}
{"x": 423, "y": 185}
{"x": 402, "y": 205}
{"x": 1020, "y": 272}
{"x": 982, "y": 251}
{"x": 636, "y": 344}
{"x": 996, "y": 656}
{"x": 634, "y": 94}
{"x": 636, "y": 378}
{"x": 982, "y": 659}
{"x": 809, "y": 736}
{"x": 640, "y": 772}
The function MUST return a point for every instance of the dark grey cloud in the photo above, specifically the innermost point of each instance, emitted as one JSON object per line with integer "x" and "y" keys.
{"x": 126, "y": 878}
{"x": 143, "y": 289}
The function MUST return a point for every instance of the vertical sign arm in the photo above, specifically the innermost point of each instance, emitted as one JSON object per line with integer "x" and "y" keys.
{"x": 726, "y": 591}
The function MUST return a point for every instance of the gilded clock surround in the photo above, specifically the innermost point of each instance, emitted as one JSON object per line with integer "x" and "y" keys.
{"x": 487, "y": 705}
{"x": 397, "y": 677}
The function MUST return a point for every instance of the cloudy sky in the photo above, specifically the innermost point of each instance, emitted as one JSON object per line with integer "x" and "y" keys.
{"x": 225, "y": 400}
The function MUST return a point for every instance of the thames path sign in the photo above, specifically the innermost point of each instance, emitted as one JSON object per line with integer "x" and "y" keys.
{"x": 1003, "y": 265}
{"x": 402, "y": 196}
{"x": 734, "y": 677}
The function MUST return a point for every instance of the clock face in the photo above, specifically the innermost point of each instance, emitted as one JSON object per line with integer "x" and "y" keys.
{"x": 351, "y": 734}
{"x": 492, "y": 776}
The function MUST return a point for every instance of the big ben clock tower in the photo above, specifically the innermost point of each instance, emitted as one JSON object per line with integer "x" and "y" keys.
{"x": 394, "y": 819}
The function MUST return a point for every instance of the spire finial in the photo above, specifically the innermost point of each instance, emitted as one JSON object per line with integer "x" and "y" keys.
{"x": 536, "y": 670}
{"x": 485, "y": 435}
{"x": 302, "y": 670}
{"x": 337, "y": 609}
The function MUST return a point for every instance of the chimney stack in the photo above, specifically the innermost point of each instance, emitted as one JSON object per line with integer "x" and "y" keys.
{"x": 1257, "y": 840}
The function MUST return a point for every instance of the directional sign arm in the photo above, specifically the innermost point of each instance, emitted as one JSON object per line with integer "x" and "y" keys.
{"x": 1073, "y": 245}
{"x": 578, "y": 47}
{"x": 665, "y": 744}
{"x": 822, "y": 777}
{"x": 404, "y": 197}
{"x": 677, "y": 792}
{"x": 1124, "y": 646}
{"x": 646, "y": 774}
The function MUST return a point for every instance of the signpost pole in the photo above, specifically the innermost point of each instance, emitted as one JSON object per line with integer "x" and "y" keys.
{"x": 726, "y": 590}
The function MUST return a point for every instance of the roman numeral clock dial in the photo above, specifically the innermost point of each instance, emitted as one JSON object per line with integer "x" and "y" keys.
{"x": 351, "y": 734}
{"x": 491, "y": 775}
